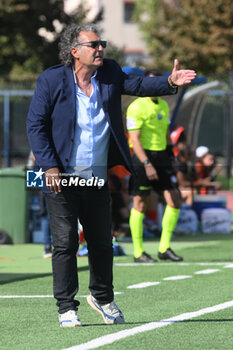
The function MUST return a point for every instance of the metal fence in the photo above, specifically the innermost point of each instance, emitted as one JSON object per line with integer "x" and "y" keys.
{"x": 14, "y": 147}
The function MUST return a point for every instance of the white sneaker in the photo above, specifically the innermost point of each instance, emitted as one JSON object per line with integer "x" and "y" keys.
{"x": 69, "y": 319}
{"x": 110, "y": 313}
{"x": 47, "y": 253}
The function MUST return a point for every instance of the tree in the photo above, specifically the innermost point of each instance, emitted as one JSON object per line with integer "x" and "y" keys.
{"x": 117, "y": 54}
{"x": 197, "y": 32}
{"x": 29, "y": 36}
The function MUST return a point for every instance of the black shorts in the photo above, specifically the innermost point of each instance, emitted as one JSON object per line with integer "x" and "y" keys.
{"x": 141, "y": 185}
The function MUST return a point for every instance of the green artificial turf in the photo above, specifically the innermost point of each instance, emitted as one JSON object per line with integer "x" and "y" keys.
{"x": 32, "y": 323}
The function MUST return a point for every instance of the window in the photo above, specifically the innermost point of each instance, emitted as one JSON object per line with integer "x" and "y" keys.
{"x": 129, "y": 8}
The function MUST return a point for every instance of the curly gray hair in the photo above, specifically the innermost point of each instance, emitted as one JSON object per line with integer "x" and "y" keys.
{"x": 69, "y": 39}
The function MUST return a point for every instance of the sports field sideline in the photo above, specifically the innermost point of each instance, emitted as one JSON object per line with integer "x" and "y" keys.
{"x": 184, "y": 306}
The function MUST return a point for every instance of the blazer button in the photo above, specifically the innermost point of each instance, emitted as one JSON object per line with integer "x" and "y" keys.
{"x": 66, "y": 159}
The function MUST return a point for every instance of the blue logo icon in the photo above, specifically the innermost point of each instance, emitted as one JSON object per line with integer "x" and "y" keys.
{"x": 35, "y": 178}
{"x": 160, "y": 116}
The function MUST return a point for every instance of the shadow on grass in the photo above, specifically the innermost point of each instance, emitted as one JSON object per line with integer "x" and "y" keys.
{"x": 201, "y": 237}
{"x": 159, "y": 321}
{"x": 15, "y": 277}
{"x": 210, "y": 320}
{"x": 114, "y": 325}
{"x": 185, "y": 237}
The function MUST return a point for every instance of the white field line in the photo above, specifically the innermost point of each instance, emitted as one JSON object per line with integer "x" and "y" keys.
{"x": 228, "y": 266}
{"x": 176, "y": 278}
{"x": 143, "y": 285}
{"x": 111, "y": 338}
{"x": 175, "y": 264}
{"x": 206, "y": 272}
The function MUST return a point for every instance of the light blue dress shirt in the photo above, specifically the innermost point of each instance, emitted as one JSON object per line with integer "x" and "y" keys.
{"x": 89, "y": 154}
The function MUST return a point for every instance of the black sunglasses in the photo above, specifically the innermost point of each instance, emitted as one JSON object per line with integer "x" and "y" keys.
{"x": 94, "y": 44}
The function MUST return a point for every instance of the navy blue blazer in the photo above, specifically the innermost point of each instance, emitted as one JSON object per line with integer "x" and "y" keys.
{"x": 52, "y": 113}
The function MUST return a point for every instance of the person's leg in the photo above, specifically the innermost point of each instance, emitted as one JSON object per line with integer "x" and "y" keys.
{"x": 187, "y": 195}
{"x": 140, "y": 187}
{"x": 63, "y": 211}
{"x": 152, "y": 210}
{"x": 167, "y": 182}
{"x": 46, "y": 231}
{"x": 95, "y": 218}
{"x": 170, "y": 218}
{"x": 47, "y": 241}
{"x": 136, "y": 223}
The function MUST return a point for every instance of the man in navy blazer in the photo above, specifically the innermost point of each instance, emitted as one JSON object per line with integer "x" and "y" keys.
{"x": 75, "y": 130}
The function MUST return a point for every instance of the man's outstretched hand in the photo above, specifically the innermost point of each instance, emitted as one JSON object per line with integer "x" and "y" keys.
{"x": 181, "y": 77}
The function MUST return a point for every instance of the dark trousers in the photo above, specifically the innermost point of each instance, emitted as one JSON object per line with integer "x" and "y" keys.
{"x": 92, "y": 207}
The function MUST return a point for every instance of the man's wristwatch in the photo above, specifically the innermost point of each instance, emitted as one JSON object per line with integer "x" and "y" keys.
{"x": 147, "y": 161}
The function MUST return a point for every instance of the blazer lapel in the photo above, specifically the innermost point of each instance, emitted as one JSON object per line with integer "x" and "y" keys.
{"x": 68, "y": 93}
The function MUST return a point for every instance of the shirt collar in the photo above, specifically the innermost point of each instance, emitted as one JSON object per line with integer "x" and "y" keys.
{"x": 75, "y": 79}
